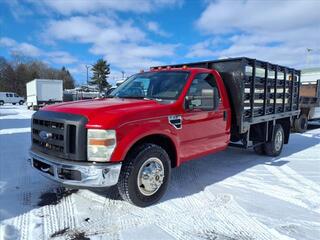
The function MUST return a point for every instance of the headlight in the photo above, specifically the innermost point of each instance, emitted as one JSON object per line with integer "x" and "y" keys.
{"x": 101, "y": 144}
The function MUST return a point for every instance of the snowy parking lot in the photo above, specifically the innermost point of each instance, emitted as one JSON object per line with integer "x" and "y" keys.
{"x": 234, "y": 194}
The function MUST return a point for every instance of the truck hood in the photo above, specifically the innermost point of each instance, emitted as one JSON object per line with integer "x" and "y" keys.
{"x": 112, "y": 109}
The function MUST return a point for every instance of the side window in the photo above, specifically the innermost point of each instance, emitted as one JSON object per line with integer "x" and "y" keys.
{"x": 7, "y": 95}
{"x": 10, "y": 95}
{"x": 203, "y": 93}
{"x": 15, "y": 95}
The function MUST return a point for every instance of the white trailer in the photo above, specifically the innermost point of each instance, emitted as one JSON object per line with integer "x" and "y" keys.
{"x": 44, "y": 91}
{"x": 309, "y": 99}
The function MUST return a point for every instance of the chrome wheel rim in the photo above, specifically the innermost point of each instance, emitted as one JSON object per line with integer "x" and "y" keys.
{"x": 278, "y": 141}
{"x": 150, "y": 176}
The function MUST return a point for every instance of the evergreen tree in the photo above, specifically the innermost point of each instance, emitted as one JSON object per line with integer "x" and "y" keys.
{"x": 100, "y": 70}
{"x": 68, "y": 81}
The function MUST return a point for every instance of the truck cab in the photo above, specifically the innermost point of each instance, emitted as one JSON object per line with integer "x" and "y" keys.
{"x": 151, "y": 123}
{"x": 10, "y": 97}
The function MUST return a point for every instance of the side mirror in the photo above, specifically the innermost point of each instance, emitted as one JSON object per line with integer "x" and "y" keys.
{"x": 208, "y": 100}
{"x": 188, "y": 103}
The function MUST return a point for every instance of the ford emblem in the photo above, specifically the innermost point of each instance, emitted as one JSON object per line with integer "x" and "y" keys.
{"x": 44, "y": 135}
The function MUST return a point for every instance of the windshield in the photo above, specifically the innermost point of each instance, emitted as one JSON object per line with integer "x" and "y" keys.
{"x": 153, "y": 85}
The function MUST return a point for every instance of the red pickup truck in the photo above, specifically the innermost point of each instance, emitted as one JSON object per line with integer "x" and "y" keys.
{"x": 159, "y": 119}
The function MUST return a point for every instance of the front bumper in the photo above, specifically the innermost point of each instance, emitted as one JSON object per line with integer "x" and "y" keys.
{"x": 76, "y": 174}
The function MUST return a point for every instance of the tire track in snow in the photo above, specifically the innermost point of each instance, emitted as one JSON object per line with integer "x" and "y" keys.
{"x": 203, "y": 215}
{"x": 298, "y": 177}
{"x": 276, "y": 191}
{"x": 58, "y": 217}
{"x": 304, "y": 189}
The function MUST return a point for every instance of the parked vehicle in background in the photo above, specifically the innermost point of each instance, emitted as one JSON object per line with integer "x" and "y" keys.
{"x": 10, "y": 97}
{"x": 81, "y": 93}
{"x": 107, "y": 92}
{"x": 309, "y": 105}
{"x": 41, "y": 92}
{"x": 160, "y": 119}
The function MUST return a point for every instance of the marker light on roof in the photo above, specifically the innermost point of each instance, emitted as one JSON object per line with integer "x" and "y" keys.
{"x": 159, "y": 68}
{"x": 184, "y": 66}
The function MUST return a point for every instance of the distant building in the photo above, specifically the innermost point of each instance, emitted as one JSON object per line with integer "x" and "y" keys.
{"x": 310, "y": 74}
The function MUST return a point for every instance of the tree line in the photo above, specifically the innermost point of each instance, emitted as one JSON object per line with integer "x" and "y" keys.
{"x": 15, "y": 74}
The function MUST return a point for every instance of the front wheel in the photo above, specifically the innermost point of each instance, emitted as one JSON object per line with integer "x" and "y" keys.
{"x": 145, "y": 175}
{"x": 273, "y": 148}
{"x": 21, "y": 102}
{"x": 1, "y": 102}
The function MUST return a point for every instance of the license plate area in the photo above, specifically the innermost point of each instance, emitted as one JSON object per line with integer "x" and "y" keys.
{"x": 69, "y": 174}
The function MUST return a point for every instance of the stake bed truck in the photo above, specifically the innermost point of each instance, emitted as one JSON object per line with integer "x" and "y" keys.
{"x": 159, "y": 119}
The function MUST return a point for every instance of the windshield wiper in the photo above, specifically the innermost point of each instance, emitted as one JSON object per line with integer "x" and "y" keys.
{"x": 141, "y": 97}
{"x": 133, "y": 97}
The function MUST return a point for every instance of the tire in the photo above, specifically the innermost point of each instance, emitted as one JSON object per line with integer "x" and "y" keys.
{"x": 14, "y": 103}
{"x": 260, "y": 149}
{"x": 131, "y": 185}
{"x": 274, "y": 147}
{"x": 301, "y": 123}
{"x": 21, "y": 102}
{"x": 1, "y": 103}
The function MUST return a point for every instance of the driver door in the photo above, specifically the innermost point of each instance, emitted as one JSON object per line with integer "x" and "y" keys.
{"x": 203, "y": 123}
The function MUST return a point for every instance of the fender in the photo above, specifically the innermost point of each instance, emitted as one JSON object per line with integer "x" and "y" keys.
{"x": 131, "y": 133}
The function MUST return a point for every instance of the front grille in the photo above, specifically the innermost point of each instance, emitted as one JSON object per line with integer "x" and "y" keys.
{"x": 56, "y": 131}
{"x": 59, "y": 134}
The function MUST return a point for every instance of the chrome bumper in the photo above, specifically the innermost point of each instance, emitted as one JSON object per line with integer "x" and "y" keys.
{"x": 78, "y": 174}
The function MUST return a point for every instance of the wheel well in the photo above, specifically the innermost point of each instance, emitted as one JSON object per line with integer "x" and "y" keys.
{"x": 258, "y": 131}
{"x": 286, "y": 125}
{"x": 163, "y": 141}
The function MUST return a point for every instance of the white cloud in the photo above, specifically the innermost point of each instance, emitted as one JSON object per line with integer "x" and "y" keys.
{"x": 70, "y": 7}
{"x": 61, "y": 57}
{"x": 29, "y": 50}
{"x": 277, "y": 31}
{"x": 7, "y": 42}
{"x": 203, "y": 49}
{"x": 155, "y": 28}
{"x": 23, "y": 48}
{"x": 17, "y": 9}
{"x": 92, "y": 29}
{"x": 124, "y": 45}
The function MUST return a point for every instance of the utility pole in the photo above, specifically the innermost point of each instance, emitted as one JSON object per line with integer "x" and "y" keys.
{"x": 309, "y": 56}
{"x": 87, "y": 67}
{"x": 122, "y": 74}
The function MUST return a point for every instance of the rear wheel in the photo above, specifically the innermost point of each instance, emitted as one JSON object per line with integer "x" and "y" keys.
{"x": 274, "y": 147}
{"x": 21, "y": 102}
{"x": 145, "y": 175}
{"x": 1, "y": 102}
{"x": 14, "y": 103}
{"x": 301, "y": 123}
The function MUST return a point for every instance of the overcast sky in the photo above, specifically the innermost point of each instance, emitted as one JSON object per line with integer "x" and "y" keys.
{"x": 136, "y": 34}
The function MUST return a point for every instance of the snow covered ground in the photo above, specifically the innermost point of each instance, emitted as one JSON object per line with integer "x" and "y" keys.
{"x": 234, "y": 194}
